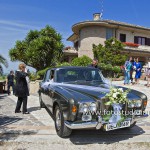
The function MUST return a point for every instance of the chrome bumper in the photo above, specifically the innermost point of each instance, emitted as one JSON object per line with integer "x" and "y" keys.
{"x": 82, "y": 125}
{"x": 99, "y": 124}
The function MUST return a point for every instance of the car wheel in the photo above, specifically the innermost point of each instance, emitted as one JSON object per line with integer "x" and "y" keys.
{"x": 41, "y": 102}
{"x": 61, "y": 129}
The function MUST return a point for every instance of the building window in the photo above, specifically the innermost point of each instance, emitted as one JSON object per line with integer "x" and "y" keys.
{"x": 76, "y": 45}
{"x": 109, "y": 33}
{"x": 140, "y": 40}
{"x": 123, "y": 37}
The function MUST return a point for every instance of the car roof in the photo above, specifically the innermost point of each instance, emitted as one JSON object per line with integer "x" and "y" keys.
{"x": 70, "y": 67}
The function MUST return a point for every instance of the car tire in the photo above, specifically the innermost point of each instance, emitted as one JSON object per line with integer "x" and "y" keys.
{"x": 41, "y": 102}
{"x": 61, "y": 129}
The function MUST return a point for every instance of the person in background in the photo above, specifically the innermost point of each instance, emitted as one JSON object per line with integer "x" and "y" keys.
{"x": 148, "y": 74}
{"x": 133, "y": 71}
{"x": 138, "y": 71}
{"x": 22, "y": 90}
{"x": 128, "y": 67}
{"x": 94, "y": 63}
{"x": 10, "y": 82}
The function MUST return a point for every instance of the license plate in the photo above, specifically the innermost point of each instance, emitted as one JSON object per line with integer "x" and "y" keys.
{"x": 124, "y": 124}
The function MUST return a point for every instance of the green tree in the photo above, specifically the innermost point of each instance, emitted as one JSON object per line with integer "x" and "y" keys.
{"x": 39, "y": 49}
{"x": 81, "y": 61}
{"x": 110, "y": 53}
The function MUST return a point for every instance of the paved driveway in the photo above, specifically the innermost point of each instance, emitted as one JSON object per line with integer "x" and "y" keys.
{"x": 36, "y": 130}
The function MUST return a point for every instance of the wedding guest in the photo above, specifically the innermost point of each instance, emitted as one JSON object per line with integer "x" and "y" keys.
{"x": 22, "y": 91}
{"x": 148, "y": 74}
{"x": 134, "y": 71}
{"x": 10, "y": 82}
{"x": 138, "y": 71}
{"x": 94, "y": 63}
{"x": 128, "y": 67}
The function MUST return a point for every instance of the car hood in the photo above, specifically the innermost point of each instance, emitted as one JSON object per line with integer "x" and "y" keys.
{"x": 95, "y": 91}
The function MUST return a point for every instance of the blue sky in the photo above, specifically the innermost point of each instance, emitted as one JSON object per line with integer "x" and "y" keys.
{"x": 17, "y": 17}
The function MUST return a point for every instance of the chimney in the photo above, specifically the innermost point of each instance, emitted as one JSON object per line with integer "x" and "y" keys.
{"x": 97, "y": 16}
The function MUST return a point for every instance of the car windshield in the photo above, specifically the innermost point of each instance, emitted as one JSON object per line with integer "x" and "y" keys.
{"x": 78, "y": 75}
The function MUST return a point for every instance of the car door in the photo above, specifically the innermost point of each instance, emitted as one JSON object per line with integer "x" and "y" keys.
{"x": 44, "y": 88}
{"x": 50, "y": 90}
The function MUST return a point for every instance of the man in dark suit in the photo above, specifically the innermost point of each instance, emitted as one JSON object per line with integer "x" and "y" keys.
{"x": 10, "y": 82}
{"x": 21, "y": 90}
{"x": 94, "y": 63}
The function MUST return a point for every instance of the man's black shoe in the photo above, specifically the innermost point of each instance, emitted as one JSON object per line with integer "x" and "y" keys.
{"x": 26, "y": 112}
{"x": 17, "y": 111}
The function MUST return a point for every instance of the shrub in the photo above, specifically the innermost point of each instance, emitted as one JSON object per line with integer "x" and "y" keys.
{"x": 102, "y": 66}
{"x": 63, "y": 64}
{"x": 33, "y": 76}
{"x": 81, "y": 61}
{"x": 3, "y": 77}
{"x": 41, "y": 73}
{"x": 109, "y": 67}
{"x": 116, "y": 69}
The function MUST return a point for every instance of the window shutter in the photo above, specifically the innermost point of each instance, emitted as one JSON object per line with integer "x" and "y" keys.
{"x": 123, "y": 37}
{"x": 136, "y": 39}
{"x": 147, "y": 41}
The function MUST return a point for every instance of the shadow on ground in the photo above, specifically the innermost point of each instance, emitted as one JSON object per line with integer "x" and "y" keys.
{"x": 33, "y": 109}
{"x": 6, "y": 120}
{"x": 82, "y": 137}
{"x": 2, "y": 96}
{"x": 11, "y": 135}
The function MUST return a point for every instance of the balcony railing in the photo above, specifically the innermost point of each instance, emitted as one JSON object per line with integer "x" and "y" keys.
{"x": 70, "y": 50}
{"x": 134, "y": 46}
{"x": 144, "y": 47}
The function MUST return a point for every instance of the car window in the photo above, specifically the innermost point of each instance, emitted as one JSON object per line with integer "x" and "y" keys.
{"x": 74, "y": 74}
{"x": 47, "y": 76}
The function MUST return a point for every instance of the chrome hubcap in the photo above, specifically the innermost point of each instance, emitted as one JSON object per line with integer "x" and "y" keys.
{"x": 58, "y": 119}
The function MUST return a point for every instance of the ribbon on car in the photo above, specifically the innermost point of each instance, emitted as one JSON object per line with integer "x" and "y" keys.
{"x": 116, "y": 116}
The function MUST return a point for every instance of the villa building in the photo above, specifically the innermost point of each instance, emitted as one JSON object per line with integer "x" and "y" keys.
{"x": 97, "y": 31}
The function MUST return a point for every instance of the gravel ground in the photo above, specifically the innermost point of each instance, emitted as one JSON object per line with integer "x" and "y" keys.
{"x": 36, "y": 131}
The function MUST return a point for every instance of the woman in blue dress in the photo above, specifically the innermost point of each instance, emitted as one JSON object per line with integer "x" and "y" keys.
{"x": 138, "y": 71}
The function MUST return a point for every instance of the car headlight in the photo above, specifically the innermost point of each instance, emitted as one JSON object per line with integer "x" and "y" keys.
{"x": 92, "y": 107}
{"x": 131, "y": 105}
{"x": 138, "y": 103}
{"x": 135, "y": 103}
{"x": 84, "y": 108}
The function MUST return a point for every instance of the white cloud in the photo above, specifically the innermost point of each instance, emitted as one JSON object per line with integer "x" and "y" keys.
{"x": 17, "y": 24}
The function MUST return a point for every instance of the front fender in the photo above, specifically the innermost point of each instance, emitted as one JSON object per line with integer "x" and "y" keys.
{"x": 66, "y": 107}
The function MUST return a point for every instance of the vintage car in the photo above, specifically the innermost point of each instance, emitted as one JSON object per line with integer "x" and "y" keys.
{"x": 76, "y": 98}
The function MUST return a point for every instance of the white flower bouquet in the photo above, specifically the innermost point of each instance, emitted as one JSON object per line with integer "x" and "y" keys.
{"x": 117, "y": 96}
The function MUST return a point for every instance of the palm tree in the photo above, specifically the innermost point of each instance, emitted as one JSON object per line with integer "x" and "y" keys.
{"x": 4, "y": 62}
